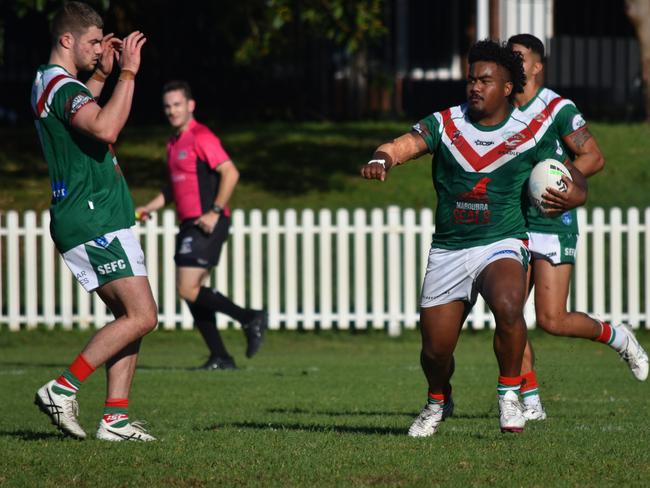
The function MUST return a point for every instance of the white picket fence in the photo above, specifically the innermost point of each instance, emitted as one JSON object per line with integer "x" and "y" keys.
{"x": 345, "y": 269}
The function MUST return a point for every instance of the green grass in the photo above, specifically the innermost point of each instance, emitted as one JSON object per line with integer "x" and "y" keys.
{"x": 326, "y": 410}
{"x": 309, "y": 165}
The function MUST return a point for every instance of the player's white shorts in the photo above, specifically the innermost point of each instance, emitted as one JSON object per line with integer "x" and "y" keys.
{"x": 109, "y": 257}
{"x": 451, "y": 274}
{"x": 555, "y": 248}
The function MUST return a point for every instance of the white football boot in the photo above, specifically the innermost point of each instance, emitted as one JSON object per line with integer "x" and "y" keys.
{"x": 427, "y": 422}
{"x": 63, "y": 410}
{"x": 534, "y": 411}
{"x": 633, "y": 354}
{"x": 133, "y": 431}
{"x": 511, "y": 418}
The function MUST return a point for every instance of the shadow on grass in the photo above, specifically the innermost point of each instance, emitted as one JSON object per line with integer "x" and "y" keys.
{"x": 341, "y": 429}
{"x": 30, "y": 435}
{"x": 381, "y": 413}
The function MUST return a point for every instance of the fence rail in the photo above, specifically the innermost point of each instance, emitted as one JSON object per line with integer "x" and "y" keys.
{"x": 344, "y": 269}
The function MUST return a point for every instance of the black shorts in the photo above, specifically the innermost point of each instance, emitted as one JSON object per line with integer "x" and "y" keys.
{"x": 196, "y": 249}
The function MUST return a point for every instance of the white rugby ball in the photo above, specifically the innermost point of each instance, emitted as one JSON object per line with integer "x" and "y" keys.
{"x": 546, "y": 174}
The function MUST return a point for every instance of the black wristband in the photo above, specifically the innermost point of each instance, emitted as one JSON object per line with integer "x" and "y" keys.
{"x": 385, "y": 156}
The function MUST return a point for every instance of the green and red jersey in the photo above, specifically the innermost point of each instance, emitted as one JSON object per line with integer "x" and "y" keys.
{"x": 89, "y": 193}
{"x": 563, "y": 119}
{"x": 479, "y": 174}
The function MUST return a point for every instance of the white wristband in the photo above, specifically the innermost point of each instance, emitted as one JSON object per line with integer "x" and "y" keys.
{"x": 378, "y": 161}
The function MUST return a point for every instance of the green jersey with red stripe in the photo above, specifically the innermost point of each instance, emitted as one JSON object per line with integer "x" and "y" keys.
{"x": 479, "y": 174}
{"x": 563, "y": 118}
{"x": 89, "y": 193}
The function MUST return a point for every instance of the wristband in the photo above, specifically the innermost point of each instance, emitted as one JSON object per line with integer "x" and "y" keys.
{"x": 97, "y": 76}
{"x": 126, "y": 74}
{"x": 378, "y": 161}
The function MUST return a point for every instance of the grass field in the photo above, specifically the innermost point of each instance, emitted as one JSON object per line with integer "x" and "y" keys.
{"x": 327, "y": 410}
{"x": 309, "y": 165}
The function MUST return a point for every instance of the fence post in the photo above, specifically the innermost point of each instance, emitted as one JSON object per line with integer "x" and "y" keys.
{"x": 290, "y": 269}
{"x": 239, "y": 277}
{"x": 343, "y": 269}
{"x": 308, "y": 269}
{"x": 394, "y": 272}
{"x": 169, "y": 279}
{"x": 360, "y": 270}
{"x": 256, "y": 266}
{"x": 598, "y": 263}
{"x": 616, "y": 265}
{"x": 13, "y": 271}
{"x": 30, "y": 264}
{"x": 632, "y": 258}
{"x": 646, "y": 271}
{"x": 325, "y": 268}
{"x": 273, "y": 260}
{"x": 410, "y": 258}
{"x": 580, "y": 282}
{"x": 48, "y": 281}
{"x": 377, "y": 257}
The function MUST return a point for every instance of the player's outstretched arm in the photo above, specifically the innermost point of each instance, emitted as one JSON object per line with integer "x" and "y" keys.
{"x": 106, "y": 123}
{"x": 589, "y": 160}
{"x": 398, "y": 151}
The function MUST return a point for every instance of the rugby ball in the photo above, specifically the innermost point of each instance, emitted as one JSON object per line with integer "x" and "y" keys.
{"x": 546, "y": 174}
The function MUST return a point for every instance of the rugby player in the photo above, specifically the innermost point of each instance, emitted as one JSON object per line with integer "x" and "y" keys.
{"x": 202, "y": 178}
{"x": 92, "y": 212}
{"x": 552, "y": 241}
{"x": 483, "y": 152}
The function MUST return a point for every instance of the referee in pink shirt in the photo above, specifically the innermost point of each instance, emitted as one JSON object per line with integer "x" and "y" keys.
{"x": 201, "y": 180}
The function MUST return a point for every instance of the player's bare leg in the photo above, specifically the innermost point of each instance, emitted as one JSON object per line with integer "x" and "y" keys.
{"x": 140, "y": 317}
{"x": 551, "y": 294}
{"x": 130, "y": 301}
{"x": 440, "y": 327}
{"x": 503, "y": 286}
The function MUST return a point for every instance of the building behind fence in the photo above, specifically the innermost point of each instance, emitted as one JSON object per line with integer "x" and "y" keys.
{"x": 315, "y": 270}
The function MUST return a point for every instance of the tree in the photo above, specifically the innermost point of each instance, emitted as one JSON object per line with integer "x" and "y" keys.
{"x": 639, "y": 13}
{"x": 352, "y": 25}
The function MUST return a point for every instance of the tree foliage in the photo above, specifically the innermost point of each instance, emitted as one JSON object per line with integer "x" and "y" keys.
{"x": 349, "y": 24}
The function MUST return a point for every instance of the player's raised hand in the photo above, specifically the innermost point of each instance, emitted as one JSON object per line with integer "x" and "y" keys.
{"x": 129, "y": 58}
{"x": 111, "y": 45}
{"x": 374, "y": 170}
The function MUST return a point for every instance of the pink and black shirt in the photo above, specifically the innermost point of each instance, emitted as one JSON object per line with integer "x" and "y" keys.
{"x": 192, "y": 157}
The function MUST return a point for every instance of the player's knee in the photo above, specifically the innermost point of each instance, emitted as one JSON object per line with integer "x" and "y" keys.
{"x": 507, "y": 311}
{"x": 435, "y": 354}
{"x": 187, "y": 292}
{"x": 147, "y": 319}
{"x": 551, "y": 323}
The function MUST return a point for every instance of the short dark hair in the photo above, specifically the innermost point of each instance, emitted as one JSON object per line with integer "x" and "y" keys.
{"x": 528, "y": 41}
{"x": 74, "y": 17}
{"x": 180, "y": 85}
{"x": 488, "y": 50}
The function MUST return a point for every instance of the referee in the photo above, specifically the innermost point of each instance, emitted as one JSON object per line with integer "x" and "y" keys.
{"x": 201, "y": 180}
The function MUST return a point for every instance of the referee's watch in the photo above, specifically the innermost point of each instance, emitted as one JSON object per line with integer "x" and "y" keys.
{"x": 217, "y": 209}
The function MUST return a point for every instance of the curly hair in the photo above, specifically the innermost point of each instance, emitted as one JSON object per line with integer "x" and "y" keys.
{"x": 500, "y": 53}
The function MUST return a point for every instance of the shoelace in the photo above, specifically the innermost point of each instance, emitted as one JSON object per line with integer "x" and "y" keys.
{"x": 71, "y": 407}
{"x": 139, "y": 426}
{"x": 511, "y": 407}
{"x": 427, "y": 412}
